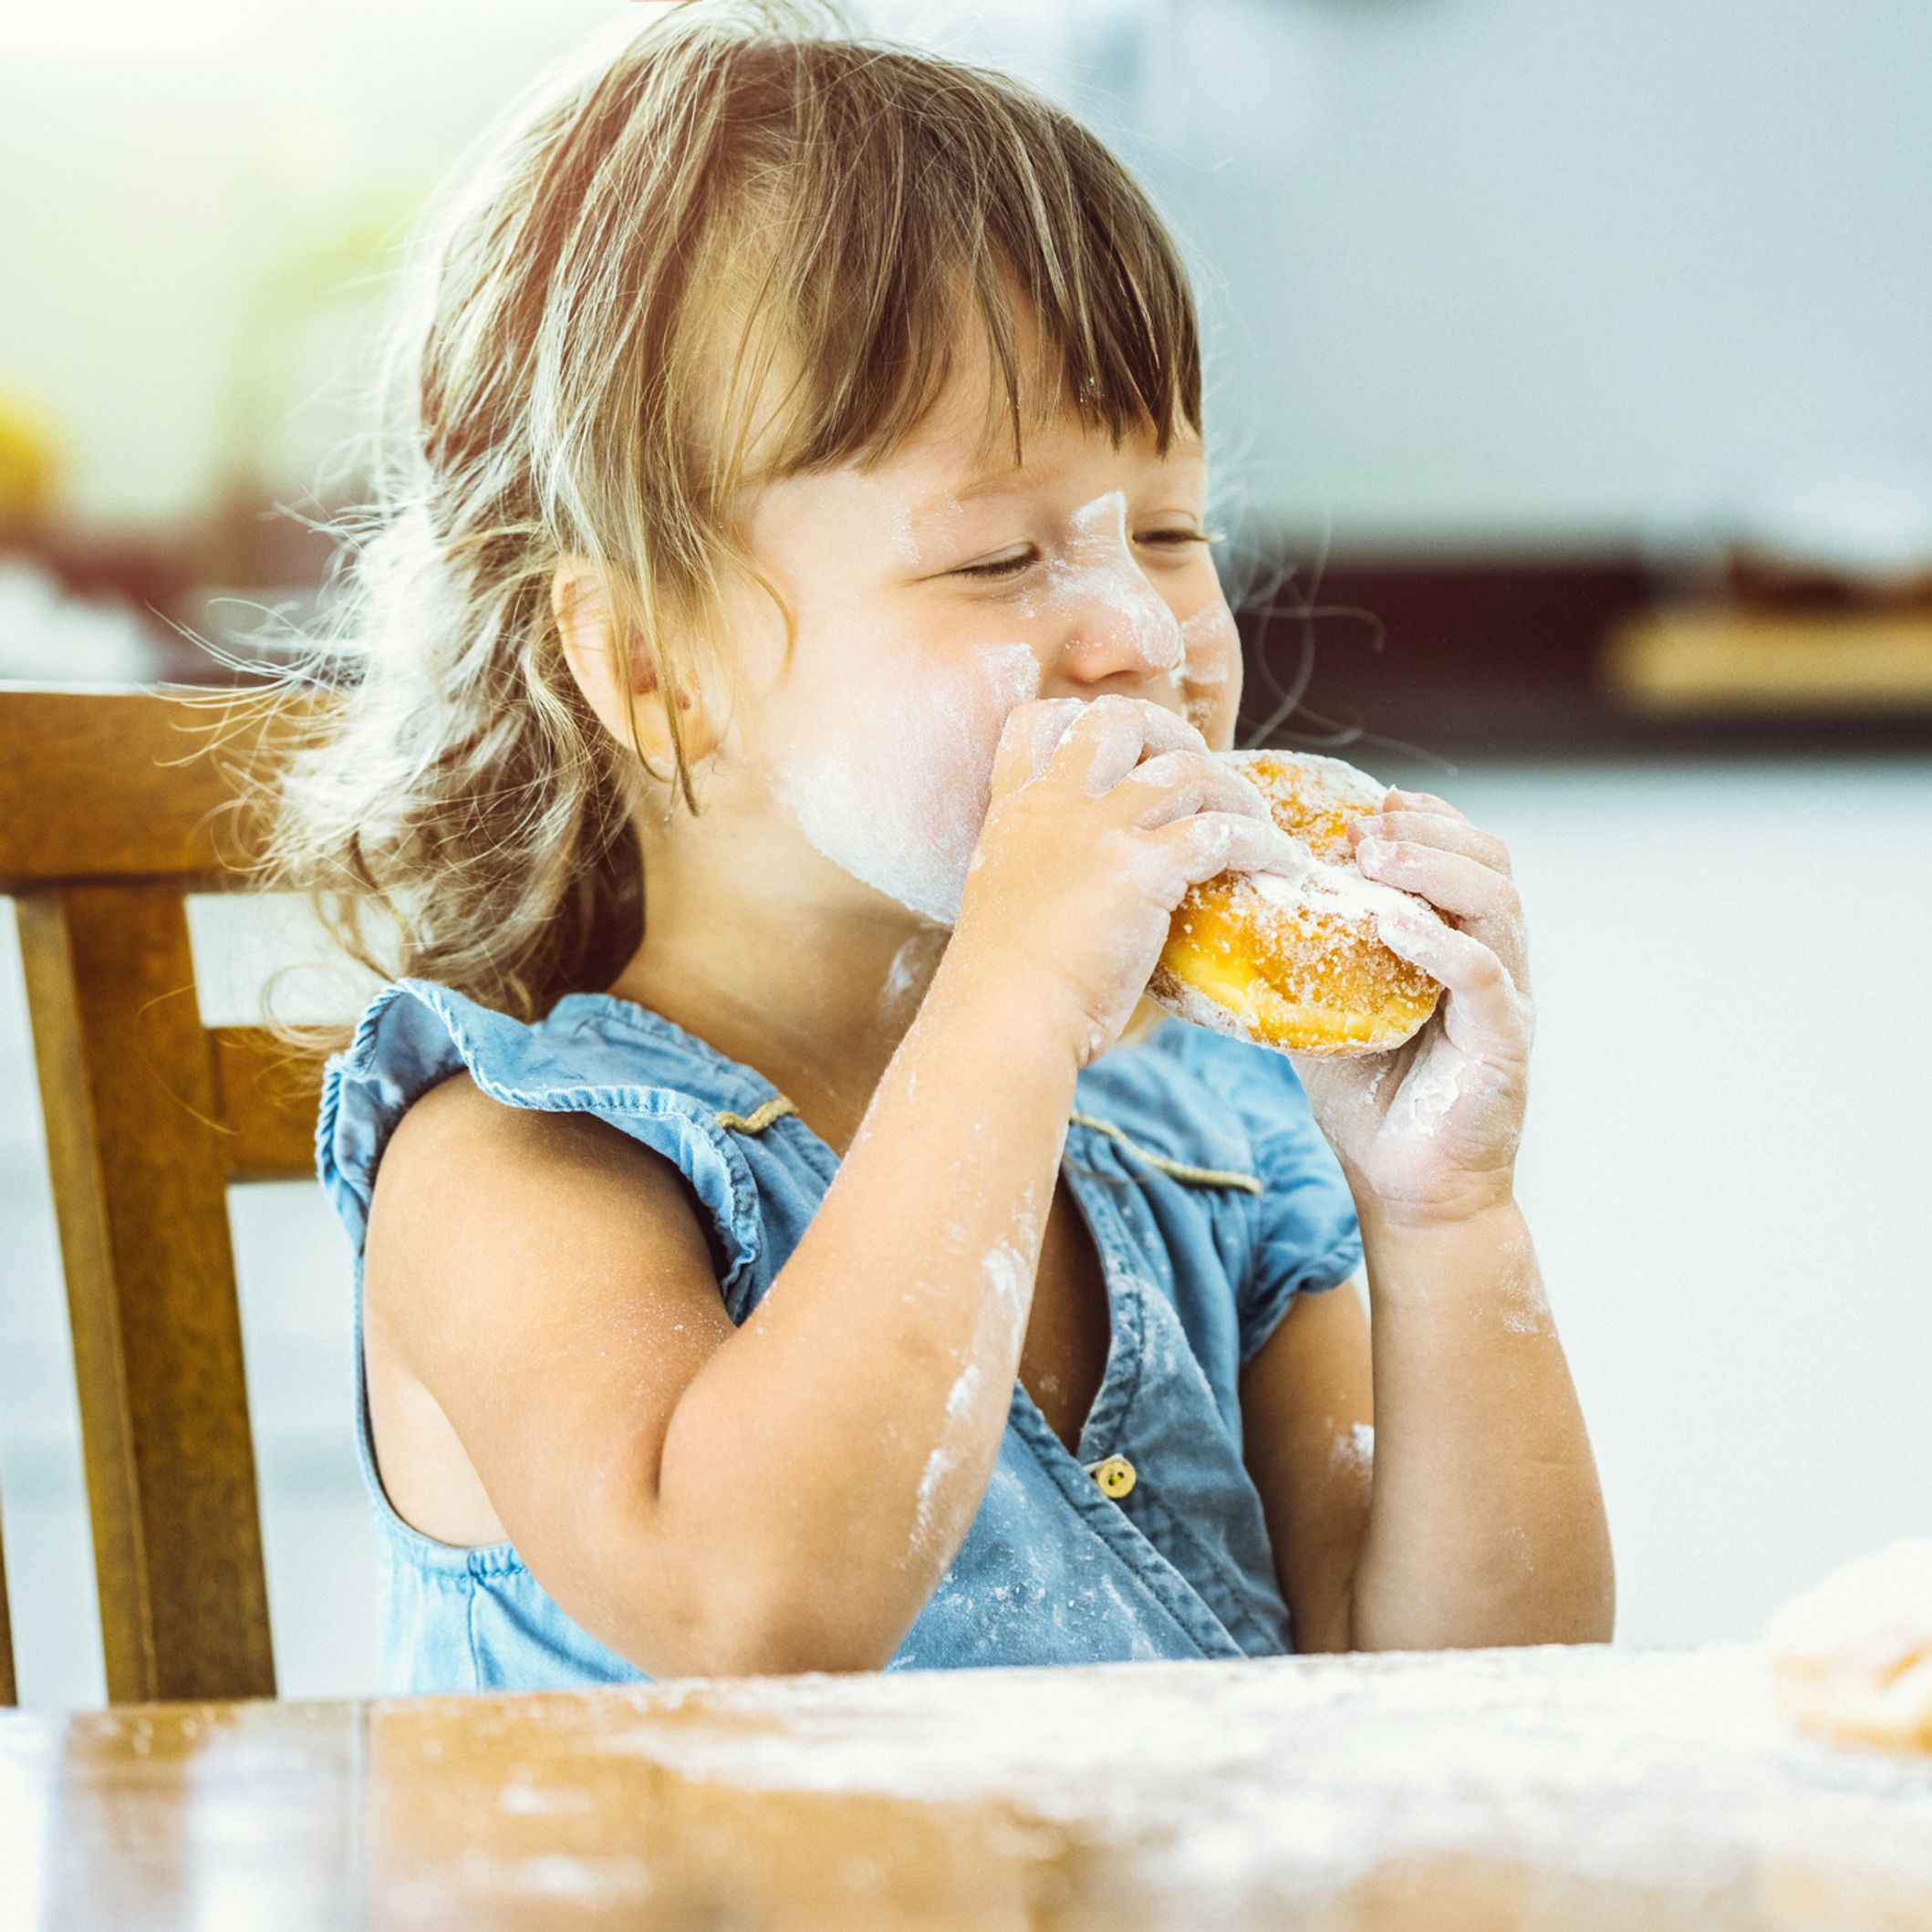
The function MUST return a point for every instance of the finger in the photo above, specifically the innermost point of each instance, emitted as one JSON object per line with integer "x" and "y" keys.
{"x": 1028, "y": 738}
{"x": 1486, "y": 1012}
{"x": 1486, "y": 901}
{"x": 1432, "y": 829}
{"x": 1426, "y": 801}
{"x": 1204, "y": 844}
{"x": 1112, "y": 734}
{"x": 1186, "y": 781}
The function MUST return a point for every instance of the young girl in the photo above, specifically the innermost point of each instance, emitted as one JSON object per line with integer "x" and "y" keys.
{"x": 792, "y": 667}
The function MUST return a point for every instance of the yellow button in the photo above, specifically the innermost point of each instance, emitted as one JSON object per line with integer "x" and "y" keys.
{"x": 1115, "y": 1475}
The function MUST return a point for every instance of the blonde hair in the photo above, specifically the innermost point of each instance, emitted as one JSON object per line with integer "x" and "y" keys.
{"x": 598, "y": 302}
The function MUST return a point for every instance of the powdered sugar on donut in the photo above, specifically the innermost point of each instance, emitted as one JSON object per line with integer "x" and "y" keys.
{"x": 1295, "y": 956}
{"x": 1337, "y": 889}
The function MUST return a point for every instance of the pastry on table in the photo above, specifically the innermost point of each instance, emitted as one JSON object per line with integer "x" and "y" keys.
{"x": 1851, "y": 1659}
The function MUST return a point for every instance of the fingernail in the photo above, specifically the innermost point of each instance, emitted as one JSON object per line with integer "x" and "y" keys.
{"x": 1371, "y": 851}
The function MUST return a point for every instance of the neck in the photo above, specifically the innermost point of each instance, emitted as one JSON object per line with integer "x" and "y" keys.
{"x": 759, "y": 945}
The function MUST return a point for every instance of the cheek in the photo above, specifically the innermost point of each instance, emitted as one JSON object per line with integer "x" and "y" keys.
{"x": 1210, "y": 672}
{"x": 956, "y": 721}
{"x": 891, "y": 774}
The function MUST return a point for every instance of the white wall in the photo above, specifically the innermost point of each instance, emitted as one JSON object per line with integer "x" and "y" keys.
{"x": 1500, "y": 271}
{"x": 1481, "y": 272}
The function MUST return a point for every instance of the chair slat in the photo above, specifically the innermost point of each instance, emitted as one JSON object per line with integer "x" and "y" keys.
{"x": 267, "y": 1104}
{"x": 119, "y": 783}
{"x": 138, "y": 1164}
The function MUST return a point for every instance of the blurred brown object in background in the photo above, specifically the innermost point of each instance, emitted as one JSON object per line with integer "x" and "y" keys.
{"x": 1819, "y": 597}
{"x": 1860, "y": 542}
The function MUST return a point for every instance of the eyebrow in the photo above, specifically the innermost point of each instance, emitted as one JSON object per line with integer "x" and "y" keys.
{"x": 1008, "y": 481}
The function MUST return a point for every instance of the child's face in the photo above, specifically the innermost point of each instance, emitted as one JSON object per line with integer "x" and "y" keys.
{"x": 931, "y": 600}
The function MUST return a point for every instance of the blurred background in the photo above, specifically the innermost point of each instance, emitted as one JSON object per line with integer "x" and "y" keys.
{"x": 1570, "y": 398}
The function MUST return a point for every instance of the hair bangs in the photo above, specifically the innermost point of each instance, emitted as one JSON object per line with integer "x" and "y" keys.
{"x": 929, "y": 228}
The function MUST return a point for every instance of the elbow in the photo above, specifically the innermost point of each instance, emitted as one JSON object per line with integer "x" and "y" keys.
{"x": 785, "y": 1646}
{"x": 742, "y": 1628}
{"x": 812, "y": 1622}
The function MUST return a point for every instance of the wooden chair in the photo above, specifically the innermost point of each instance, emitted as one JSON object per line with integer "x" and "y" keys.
{"x": 108, "y": 805}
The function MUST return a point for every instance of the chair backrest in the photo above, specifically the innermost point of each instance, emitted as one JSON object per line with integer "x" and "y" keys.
{"x": 108, "y": 806}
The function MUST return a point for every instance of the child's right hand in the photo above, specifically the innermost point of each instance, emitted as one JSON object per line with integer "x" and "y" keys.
{"x": 1087, "y": 847}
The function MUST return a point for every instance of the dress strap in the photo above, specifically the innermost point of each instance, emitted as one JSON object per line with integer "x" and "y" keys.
{"x": 779, "y": 1106}
{"x": 1179, "y": 1169}
{"x": 756, "y": 1121}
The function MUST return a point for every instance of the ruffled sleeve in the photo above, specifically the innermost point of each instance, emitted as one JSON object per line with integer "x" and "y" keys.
{"x": 415, "y": 1032}
{"x": 1306, "y": 1237}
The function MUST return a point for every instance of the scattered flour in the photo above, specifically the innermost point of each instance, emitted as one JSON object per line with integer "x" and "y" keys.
{"x": 1007, "y": 1299}
{"x": 1230, "y": 1790}
{"x": 1425, "y": 1098}
{"x": 959, "y": 1414}
{"x": 1526, "y": 1308}
{"x": 1356, "y": 1450}
{"x": 1097, "y": 571}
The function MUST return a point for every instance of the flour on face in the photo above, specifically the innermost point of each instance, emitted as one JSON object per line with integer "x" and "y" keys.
{"x": 893, "y": 786}
{"x": 903, "y": 814}
{"x": 1098, "y": 569}
{"x": 1210, "y": 648}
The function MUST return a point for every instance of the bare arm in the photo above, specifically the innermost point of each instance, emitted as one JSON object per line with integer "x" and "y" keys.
{"x": 1485, "y": 1521}
{"x": 1488, "y": 1522}
{"x": 845, "y": 1438}
{"x": 1308, "y": 1437}
{"x": 1480, "y": 1520}
{"x": 708, "y": 1499}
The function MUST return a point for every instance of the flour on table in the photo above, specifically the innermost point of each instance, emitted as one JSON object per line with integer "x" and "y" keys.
{"x": 1242, "y": 1785}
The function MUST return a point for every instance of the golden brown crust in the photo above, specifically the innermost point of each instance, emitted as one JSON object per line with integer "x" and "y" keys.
{"x": 1297, "y": 966}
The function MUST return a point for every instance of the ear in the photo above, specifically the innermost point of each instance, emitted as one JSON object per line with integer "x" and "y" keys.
{"x": 582, "y": 608}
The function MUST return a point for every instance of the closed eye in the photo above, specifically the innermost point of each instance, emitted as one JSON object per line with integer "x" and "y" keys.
{"x": 1179, "y": 537}
{"x": 1002, "y": 568}
{"x": 1005, "y": 567}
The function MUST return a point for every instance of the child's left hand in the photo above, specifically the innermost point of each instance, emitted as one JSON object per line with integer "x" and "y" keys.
{"x": 1428, "y": 1132}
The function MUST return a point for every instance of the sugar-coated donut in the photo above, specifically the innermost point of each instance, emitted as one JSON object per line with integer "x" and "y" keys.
{"x": 1297, "y": 963}
{"x": 1851, "y": 1659}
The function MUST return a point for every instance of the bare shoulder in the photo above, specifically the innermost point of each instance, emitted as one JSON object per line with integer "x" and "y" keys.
{"x": 539, "y": 1293}
{"x": 456, "y": 1113}
{"x": 477, "y": 1198}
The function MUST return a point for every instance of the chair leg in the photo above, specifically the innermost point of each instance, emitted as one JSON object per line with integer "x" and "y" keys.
{"x": 137, "y": 1158}
{"x": 9, "y": 1689}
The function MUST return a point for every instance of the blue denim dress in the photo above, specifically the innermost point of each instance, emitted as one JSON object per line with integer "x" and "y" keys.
{"x": 1213, "y": 1200}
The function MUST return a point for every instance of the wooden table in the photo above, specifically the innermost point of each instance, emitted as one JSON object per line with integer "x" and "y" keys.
{"x": 1572, "y": 1788}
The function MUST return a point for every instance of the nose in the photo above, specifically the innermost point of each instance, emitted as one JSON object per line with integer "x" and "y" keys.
{"x": 1118, "y": 624}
